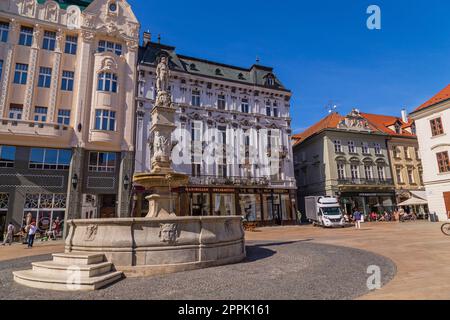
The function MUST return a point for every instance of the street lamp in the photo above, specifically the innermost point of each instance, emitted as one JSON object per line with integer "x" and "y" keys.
{"x": 126, "y": 182}
{"x": 75, "y": 181}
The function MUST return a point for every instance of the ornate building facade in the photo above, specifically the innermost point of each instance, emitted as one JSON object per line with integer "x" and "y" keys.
{"x": 347, "y": 158}
{"x": 67, "y": 100}
{"x": 233, "y": 136}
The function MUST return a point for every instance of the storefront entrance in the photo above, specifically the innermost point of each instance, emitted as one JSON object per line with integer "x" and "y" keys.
{"x": 2, "y": 224}
{"x": 107, "y": 206}
{"x": 447, "y": 203}
{"x": 367, "y": 202}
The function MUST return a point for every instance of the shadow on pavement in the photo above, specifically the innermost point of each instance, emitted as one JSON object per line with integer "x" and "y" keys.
{"x": 259, "y": 251}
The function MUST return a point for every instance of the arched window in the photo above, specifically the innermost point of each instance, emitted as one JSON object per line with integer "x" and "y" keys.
{"x": 107, "y": 82}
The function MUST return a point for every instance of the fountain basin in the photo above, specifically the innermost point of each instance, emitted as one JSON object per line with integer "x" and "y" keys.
{"x": 150, "y": 246}
{"x": 164, "y": 179}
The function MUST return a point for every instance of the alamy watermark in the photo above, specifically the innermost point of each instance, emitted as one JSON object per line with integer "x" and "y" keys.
{"x": 374, "y": 280}
{"x": 374, "y": 20}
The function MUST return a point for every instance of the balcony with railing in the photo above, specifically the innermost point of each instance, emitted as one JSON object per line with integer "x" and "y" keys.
{"x": 36, "y": 129}
{"x": 252, "y": 182}
{"x": 366, "y": 182}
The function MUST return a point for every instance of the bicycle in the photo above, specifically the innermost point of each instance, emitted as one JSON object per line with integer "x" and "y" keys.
{"x": 446, "y": 229}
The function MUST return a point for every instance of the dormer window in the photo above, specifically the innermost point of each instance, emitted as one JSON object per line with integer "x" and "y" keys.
{"x": 270, "y": 80}
{"x": 218, "y": 72}
{"x": 241, "y": 76}
{"x": 398, "y": 128}
{"x": 192, "y": 66}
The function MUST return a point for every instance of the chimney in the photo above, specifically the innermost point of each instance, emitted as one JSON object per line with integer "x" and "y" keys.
{"x": 404, "y": 115}
{"x": 147, "y": 38}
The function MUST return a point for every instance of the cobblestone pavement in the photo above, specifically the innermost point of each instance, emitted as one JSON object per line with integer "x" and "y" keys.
{"x": 273, "y": 270}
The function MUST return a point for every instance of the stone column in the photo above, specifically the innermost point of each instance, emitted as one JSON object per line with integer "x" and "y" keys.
{"x": 124, "y": 192}
{"x": 32, "y": 67}
{"x": 55, "y": 78}
{"x": 75, "y": 195}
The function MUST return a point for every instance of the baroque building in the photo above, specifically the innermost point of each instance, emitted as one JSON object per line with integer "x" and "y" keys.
{"x": 232, "y": 138}
{"x": 432, "y": 121}
{"x": 67, "y": 100}
{"x": 347, "y": 158}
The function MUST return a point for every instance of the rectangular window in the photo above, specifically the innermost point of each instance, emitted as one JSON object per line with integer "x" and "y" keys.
{"x": 71, "y": 45}
{"x": 40, "y": 114}
{"x": 15, "y": 112}
{"x": 26, "y": 36}
{"x": 107, "y": 82}
{"x": 105, "y": 120}
{"x": 337, "y": 146}
{"x": 411, "y": 176}
{"x": 245, "y": 108}
{"x": 4, "y": 31}
{"x": 196, "y": 142}
{"x": 50, "y": 159}
{"x": 397, "y": 152}
{"x": 7, "y": 156}
{"x": 377, "y": 147}
{"x": 64, "y": 117}
{"x": 355, "y": 171}
{"x": 1, "y": 69}
{"x": 275, "y": 112}
{"x": 443, "y": 162}
{"x": 398, "y": 172}
{"x": 102, "y": 161}
{"x": 196, "y": 170}
{"x": 67, "y": 81}
{"x": 421, "y": 177}
{"x": 341, "y": 171}
{"x": 365, "y": 148}
{"x": 436, "y": 127}
{"x": 417, "y": 152}
{"x": 221, "y": 103}
{"x": 269, "y": 111}
{"x": 380, "y": 170}
{"x": 110, "y": 47}
{"x": 49, "y": 40}
{"x": 21, "y": 74}
{"x": 407, "y": 153}
{"x": 45, "y": 77}
{"x": 351, "y": 147}
{"x": 368, "y": 172}
{"x": 195, "y": 98}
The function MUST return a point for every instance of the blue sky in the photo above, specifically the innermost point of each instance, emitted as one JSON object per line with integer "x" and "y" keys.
{"x": 321, "y": 50}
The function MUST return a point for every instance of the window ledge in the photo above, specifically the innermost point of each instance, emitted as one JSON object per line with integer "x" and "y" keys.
{"x": 438, "y": 136}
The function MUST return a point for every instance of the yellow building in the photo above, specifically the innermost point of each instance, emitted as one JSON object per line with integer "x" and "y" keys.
{"x": 67, "y": 97}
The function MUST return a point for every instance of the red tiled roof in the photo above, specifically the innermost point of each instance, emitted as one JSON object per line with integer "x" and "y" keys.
{"x": 441, "y": 96}
{"x": 383, "y": 122}
{"x": 329, "y": 122}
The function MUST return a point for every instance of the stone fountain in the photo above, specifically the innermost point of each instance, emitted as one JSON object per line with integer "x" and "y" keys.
{"x": 100, "y": 251}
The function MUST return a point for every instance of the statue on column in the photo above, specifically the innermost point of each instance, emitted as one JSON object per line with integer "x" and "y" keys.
{"x": 162, "y": 75}
{"x": 160, "y": 145}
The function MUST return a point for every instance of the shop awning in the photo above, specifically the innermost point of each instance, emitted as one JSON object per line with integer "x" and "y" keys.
{"x": 413, "y": 202}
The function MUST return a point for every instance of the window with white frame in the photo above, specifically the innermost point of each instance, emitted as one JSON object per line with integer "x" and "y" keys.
{"x": 341, "y": 171}
{"x": 40, "y": 114}
{"x": 268, "y": 109}
{"x": 354, "y": 168}
{"x": 107, "y": 82}
{"x": 397, "y": 152}
{"x": 407, "y": 153}
{"x": 21, "y": 73}
{"x": 195, "y": 101}
{"x": 71, "y": 45}
{"x": 15, "y": 112}
{"x": 26, "y": 36}
{"x": 7, "y": 156}
{"x": 45, "y": 209}
{"x": 49, "y": 40}
{"x": 337, "y": 146}
{"x": 4, "y": 31}
{"x": 64, "y": 117}
{"x": 380, "y": 170}
{"x": 102, "y": 161}
{"x": 105, "y": 120}
{"x": 351, "y": 147}
{"x": 411, "y": 176}
{"x": 365, "y": 148}
{"x": 67, "y": 80}
{"x": 109, "y": 46}
{"x": 275, "y": 112}
{"x": 368, "y": 171}
{"x": 196, "y": 141}
{"x": 245, "y": 107}
{"x": 221, "y": 103}
{"x": 45, "y": 77}
{"x": 417, "y": 152}
{"x": 50, "y": 159}
{"x": 377, "y": 147}
{"x": 398, "y": 172}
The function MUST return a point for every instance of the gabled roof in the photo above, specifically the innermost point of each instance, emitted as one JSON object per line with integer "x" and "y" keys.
{"x": 63, "y": 4}
{"x": 443, "y": 95}
{"x": 329, "y": 122}
{"x": 255, "y": 75}
{"x": 383, "y": 122}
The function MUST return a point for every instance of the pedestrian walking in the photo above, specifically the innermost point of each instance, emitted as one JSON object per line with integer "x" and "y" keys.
{"x": 32, "y": 234}
{"x": 9, "y": 234}
{"x": 357, "y": 217}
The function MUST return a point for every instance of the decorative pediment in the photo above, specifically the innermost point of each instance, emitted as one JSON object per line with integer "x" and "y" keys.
{"x": 28, "y": 7}
{"x": 73, "y": 17}
{"x": 108, "y": 65}
{"x": 51, "y": 11}
{"x": 354, "y": 121}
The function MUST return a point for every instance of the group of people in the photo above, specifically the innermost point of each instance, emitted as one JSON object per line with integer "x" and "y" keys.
{"x": 30, "y": 229}
{"x": 398, "y": 216}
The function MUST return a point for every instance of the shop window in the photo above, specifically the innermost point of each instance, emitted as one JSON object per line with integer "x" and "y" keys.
{"x": 45, "y": 210}
{"x": 224, "y": 204}
{"x": 50, "y": 159}
{"x": 102, "y": 161}
{"x": 7, "y": 156}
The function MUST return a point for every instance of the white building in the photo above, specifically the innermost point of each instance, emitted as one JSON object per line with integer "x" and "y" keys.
{"x": 433, "y": 130}
{"x": 244, "y": 112}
